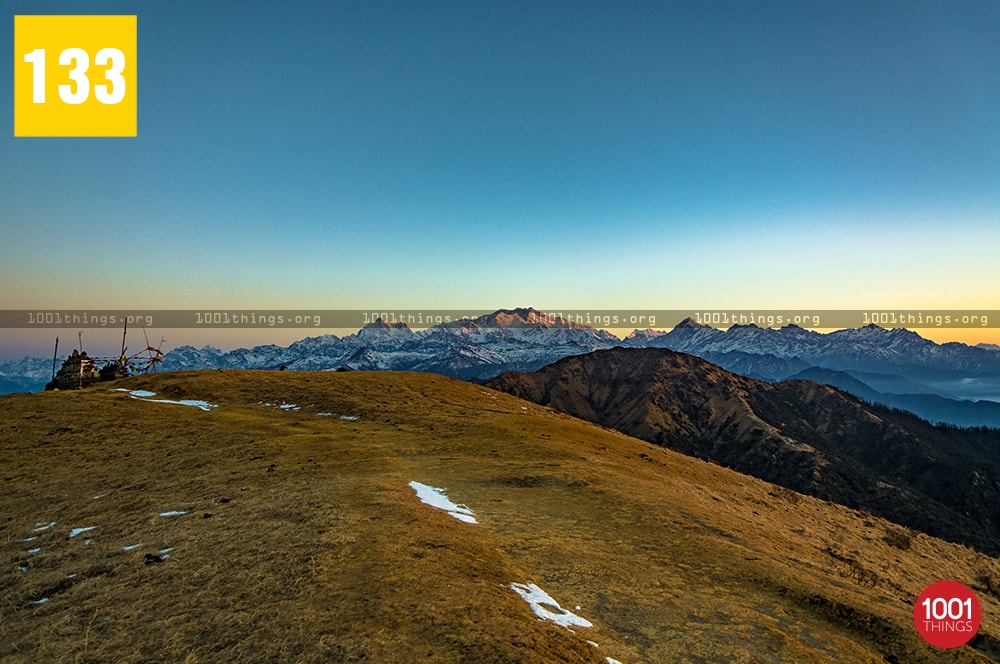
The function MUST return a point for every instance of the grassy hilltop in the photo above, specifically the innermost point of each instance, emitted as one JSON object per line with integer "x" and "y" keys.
{"x": 256, "y": 532}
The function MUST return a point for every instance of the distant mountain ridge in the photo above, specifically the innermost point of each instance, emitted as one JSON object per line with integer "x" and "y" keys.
{"x": 800, "y": 434}
{"x": 868, "y": 348}
{"x": 895, "y": 367}
{"x": 931, "y": 407}
{"x": 517, "y": 339}
{"x": 524, "y": 339}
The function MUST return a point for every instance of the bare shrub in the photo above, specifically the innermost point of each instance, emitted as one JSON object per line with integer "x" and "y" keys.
{"x": 901, "y": 538}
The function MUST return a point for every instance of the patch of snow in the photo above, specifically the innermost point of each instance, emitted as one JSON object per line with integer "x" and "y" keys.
{"x": 143, "y": 395}
{"x": 76, "y": 531}
{"x": 541, "y": 602}
{"x": 435, "y": 497}
{"x": 41, "y": 601}
{"x": 44, "y": 526}
{"x": 131, "y": 547}
{"x": 611, "y": 660}
{"x": 98, "y": 497}
{"x": 88, "y": 542}
{"x": 197, "y": 403}
{"x": 284, "y": 405}
{"x": 163, "y": 552}
{"x": 136, "y": 393}
{"x": 71, "y": 576}
{"x": 24, "y": 569}
{"x": 324, "y": 414}
{"x": 593, "y": 644}
{"x": 173, "y": 513}
{"x": 30, "y": 539}
{"x": 34, "y": 550}
{"x": 349, "y": 418}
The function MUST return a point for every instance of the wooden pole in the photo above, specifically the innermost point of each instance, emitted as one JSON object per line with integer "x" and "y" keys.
{"x": 55, "y": 354}
{"x": 79, "y": 381}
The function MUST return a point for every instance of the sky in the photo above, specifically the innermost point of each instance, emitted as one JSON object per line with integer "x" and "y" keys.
{"x": 404, "y": 155}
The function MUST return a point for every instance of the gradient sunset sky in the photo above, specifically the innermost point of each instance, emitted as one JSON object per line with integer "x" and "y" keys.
{"x": 485, "y": 155}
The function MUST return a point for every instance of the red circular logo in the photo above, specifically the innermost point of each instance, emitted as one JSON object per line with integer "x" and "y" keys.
{"x": 947, "y": 614}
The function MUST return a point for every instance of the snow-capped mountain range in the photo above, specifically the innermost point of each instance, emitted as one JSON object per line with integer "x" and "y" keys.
{"x": 520, "y": 339}
{"x": 870, "y": 348}
{"x": 895, "y": 361}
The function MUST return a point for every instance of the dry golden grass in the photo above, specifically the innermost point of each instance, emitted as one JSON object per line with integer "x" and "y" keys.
{"x": 302, "y": 541}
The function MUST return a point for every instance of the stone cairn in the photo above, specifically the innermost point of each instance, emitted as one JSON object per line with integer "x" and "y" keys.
{"x": 78, "y": 370}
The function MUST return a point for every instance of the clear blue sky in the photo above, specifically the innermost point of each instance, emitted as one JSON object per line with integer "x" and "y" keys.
{"x": 559, "y": 154}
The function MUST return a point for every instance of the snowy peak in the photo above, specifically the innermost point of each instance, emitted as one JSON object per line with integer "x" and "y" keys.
{"x": 380, "y": 324}
{"x": 691, "y": 324}
{"x": 517, "y": 317}
{"x": 523, "y": 317}
{"x": 639, "y": 337}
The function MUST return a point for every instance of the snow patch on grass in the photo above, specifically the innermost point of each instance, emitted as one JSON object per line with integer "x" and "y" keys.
{"x": 547, "y": 608}
{"x": 173, "y": 513}
{"x": 197, "y": 403}
{"x": 131, "y": 547}
{"x": 284, "y": 405}
{"x": 44, "y": 526}
{"x": 76, "y": 531}
{"x": 435, "y": 497}
{"x": 138, "y": 394}
{"x": 143, "y": 395}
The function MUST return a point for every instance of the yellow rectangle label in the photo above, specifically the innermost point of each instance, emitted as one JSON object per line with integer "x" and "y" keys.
{"x": 75, "y": 76}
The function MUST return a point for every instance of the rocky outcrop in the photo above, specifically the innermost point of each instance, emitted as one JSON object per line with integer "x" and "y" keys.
{"x": 79, "y": 370}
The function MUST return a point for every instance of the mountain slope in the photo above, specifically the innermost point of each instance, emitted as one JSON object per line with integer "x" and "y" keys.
{"x": 802, "y": 435}
{"x": 280, "y": 525}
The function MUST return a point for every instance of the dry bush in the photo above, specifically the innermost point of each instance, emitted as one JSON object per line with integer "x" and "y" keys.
{"x": 989, "y": 581}
{"x": 785, "y": 493}
{"x": 901, "y": 538}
